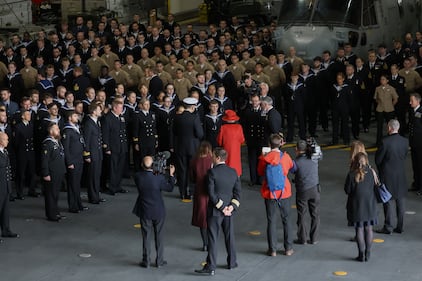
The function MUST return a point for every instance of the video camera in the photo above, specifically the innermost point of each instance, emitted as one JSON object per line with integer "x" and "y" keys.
{"x": 159, "y": 164}
{"x": 313, "y": 150}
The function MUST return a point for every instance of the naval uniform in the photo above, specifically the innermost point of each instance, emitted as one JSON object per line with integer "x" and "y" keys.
{"x": 93, "y": 151}
{"x": 53, "y": 165}
{"x": 296, "y": 101}
{"x": 254, "y": 134}
{"x": 5, "y": 190}
{"x": 212, "y": 125}
{"x": 25, "y": 156}
{"x": 341, "y": 96}
{"x": 73, "y": 144}
{"x": 144, "y": 134}
{"x": 115, "y": 141}
{"x": 186, "y": 135}
{"x": 415, "y": 141}
{"x": 224, "y": 189}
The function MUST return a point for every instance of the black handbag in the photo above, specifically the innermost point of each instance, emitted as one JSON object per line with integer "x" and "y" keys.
{"x": 381, "y": 192}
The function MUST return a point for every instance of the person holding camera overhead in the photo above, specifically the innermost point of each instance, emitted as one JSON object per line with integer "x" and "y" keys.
{"x": 149, "y": 207}
{"x": 307, "y": 192}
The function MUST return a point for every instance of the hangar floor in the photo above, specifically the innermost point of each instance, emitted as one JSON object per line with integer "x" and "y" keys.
{"x": 51, "y": 251}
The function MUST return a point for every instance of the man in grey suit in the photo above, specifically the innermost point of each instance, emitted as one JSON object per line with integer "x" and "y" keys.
{"x": 390, "y": 160}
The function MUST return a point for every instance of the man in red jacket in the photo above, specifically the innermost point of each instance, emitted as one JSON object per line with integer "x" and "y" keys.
{"x": 281, "y": 201}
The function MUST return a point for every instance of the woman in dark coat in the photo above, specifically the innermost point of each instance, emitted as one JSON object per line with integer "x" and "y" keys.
{"x": 360, "y": 184}
{"x": 200, "y": 165}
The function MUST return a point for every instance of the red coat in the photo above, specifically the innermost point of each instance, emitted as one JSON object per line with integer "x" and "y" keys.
{"x": 231, "y": 138}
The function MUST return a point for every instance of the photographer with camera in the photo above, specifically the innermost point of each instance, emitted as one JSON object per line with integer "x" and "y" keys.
{"x": 307, "y": 189}
{"x": 150, "y": 208}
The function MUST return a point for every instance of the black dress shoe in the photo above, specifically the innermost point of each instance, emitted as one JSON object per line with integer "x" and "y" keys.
{"x": 122, "y": 191}
{"x": 34, "y": 194}
{"x": 74, "y": 211}
{"x": 230, "y": 267}
{"x": 163, "y": 263}
{"x": 84, "y": 208}
{"x": 53, "y": 219}
{"x": 383, "y": 231}
{"x": 398, "y": 230}
{"x": 10, "y": 235}
{"x": 12, "y": 198}
{"x": 205, "y": 271}
{"x": 360, "y": 258}
{"x": 60, "y": 217}
{"x": 94, "y": 202}
{"x": 20, "y": 198}
{"x": 109, "y": 192}
{"x": 102, "y": 200}
{"x": 300, "y": 242}
{"x": 144, "y": 264}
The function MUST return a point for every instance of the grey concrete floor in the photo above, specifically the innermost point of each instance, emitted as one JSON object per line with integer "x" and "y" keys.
{"x": 49, "y": 251}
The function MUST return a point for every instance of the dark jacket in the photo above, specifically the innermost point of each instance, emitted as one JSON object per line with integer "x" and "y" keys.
{"x": 114, "y": 133}
{"x": 415, "y": 128}
{"x": 149, "y": 204}
{"x": 390, "y": 160}
{"x": 5, "y": 174}
{"x": 187, "y": 133}
{"x": 73, "y": 144}
{"x": 362, "y": 197}
{"x": 52, "y": 159}
{"x": 93, "y": 140}
{"x": 223, "y": 189}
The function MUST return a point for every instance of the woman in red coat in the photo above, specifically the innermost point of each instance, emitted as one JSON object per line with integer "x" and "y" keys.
{"x": 231, "y": 138}
{"x": 199, "y": 167}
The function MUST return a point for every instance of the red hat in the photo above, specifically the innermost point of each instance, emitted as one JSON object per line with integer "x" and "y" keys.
{"x": 230, "y": 116}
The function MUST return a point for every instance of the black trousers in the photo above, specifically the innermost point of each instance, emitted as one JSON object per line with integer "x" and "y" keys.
{"x": 323, "y": 109}
{"x": 292, "y": 114}
{"x": 117, "y": 166}
{"x": 355, "y": 118}
{"x": 25, "y": 173}
{"x": 416, "y": 153}
{"x": 74, "y": 187}
{"x": 227, "y": 225}
{"x": 366, "y": 101}
{"x": 253, "y": 154}
{"x": 402, "y": 109}
{"x": 149, "y": 228}
{"x": 308, "y": 200}
{"x": 51, "y": 195}
{"x": 382, "y": 120}
{"x": 4, "y": 211}
{"x": 388, "y": 213}
{"x": 343, "y": 116}
{"x": 94, "y": 180}
{"x": 182, "y": 168}
{"x": 272, "y": 207}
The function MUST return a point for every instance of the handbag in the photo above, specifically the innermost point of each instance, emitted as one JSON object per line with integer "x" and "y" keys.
{"x": 381, "y": 192}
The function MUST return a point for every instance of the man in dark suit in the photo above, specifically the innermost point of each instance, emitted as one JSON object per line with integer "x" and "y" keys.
{"x": 415, "y": 141}
{"x": 115, "y": 145}
{"x": 390, "y": 160}
{"x": 150, "y": 209}
{"x": 252, "y": 126}
{"x": 272, "y": 122}
{"x": 186, "y": 136}
{"x": 53, "y": 170}
{"x": 224, "y": 199}
{"x": 5, "y": 188}
{"x": 25, "y": 155}
{"x": 93, "y": 153}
